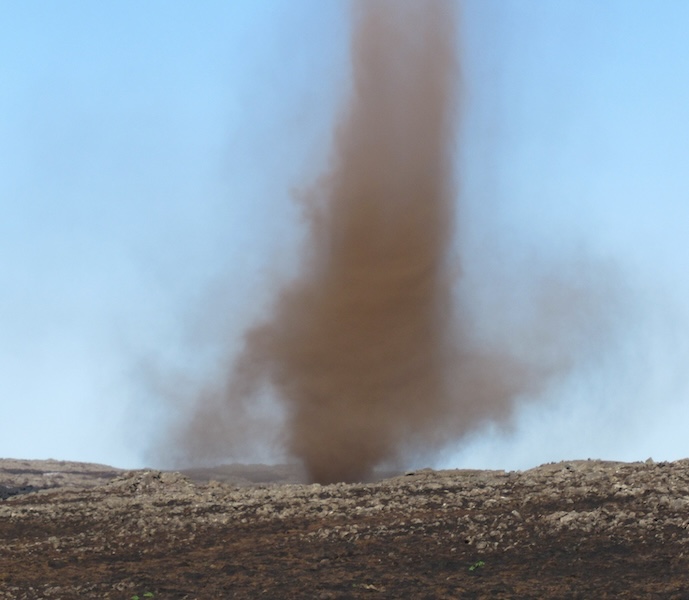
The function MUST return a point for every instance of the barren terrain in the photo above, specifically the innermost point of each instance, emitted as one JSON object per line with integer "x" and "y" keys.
{"x": 580, "y": 529}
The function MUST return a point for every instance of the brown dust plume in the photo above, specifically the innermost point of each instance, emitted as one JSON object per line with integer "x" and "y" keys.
{"x": 368, "y": 351}
{"x": 358, "y": 347}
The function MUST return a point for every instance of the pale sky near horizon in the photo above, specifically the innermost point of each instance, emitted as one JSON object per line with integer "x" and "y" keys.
{"x": 149, "y": 153}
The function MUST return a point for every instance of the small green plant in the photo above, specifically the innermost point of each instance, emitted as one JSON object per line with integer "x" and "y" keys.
{"x": 477, "y": 565}
{"x": 146, "y": 595}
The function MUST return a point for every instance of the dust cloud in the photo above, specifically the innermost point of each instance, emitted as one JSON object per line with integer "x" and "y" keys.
{"x": 372, "y": 353}
{"x": 360, "y": 345}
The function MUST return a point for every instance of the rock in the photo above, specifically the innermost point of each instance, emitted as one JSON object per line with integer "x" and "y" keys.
{"x": 602, "y": 525}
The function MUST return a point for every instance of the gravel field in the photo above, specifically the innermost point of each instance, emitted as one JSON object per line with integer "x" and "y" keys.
{"x": 579, "y": 529}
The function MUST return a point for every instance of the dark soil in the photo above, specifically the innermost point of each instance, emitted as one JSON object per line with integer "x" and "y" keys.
{"x": 584, "y": 529}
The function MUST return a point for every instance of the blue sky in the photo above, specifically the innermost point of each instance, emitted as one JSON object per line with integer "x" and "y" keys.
{"x": 149, "y": 151}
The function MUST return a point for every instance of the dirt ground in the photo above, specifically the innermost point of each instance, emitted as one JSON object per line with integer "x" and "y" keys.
{"x": 580, "y": 529}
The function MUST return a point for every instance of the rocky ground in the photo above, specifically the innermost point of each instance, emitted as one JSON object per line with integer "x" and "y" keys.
{"x": 581, "y": 529}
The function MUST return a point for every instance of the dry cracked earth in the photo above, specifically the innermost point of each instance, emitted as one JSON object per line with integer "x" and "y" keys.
{"x": 580, "y": 529}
